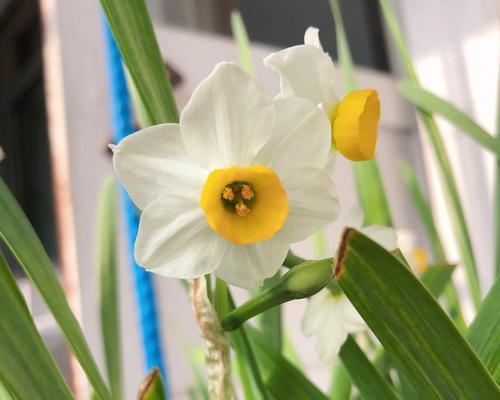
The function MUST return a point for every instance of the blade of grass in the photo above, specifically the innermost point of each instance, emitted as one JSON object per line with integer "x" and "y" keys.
{"x": 450, "y": 192}
{"x": 26, "y": 366}
{"x": 496, "y": 209}
{"x": 433, "y": 104}
{"x": 133, "y": 31}
{"x": 409, "y": 323}
{"x": 270, "y": 320}
{"x": 484, "y": 332}
{"x": 363, "y": 374}
{"x": 20, "y": 237}
{"x": 424, "y": 210}
{"x": 108, "y": 281}
{"x": 369, "y": 184}
{"x": 241, "y": 38}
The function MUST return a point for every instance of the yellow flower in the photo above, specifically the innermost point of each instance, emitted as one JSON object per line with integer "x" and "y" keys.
{"x": 354, "y": 125}
{"x": 307, "y": 71}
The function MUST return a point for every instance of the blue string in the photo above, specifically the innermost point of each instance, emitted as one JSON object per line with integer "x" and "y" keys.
{"x": 122, "y": 126}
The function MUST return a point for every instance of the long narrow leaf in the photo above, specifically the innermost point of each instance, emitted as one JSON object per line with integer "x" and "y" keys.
{"x": 341, "y": 384}
{"x": 283, "y": 379}
{"x": 369, "y": 183}
{"x": 433, "y": 104}
{"x": 451, "y": 192}
{"x": 18, "y": 234}
{"x": 496, "y": 209}
{"x": 26, "y": 366}
{"x": 424, "y": 211}
{"x": 364, "y": 375}
{"x": 484, "y": 332}
{"x": 108, "y": 282}
{"x": 133, "y": 31}
{"x": 409, "y": 323}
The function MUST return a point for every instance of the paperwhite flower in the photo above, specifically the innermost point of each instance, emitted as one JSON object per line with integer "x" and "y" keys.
{"x": 230, "y": 187}
{"x": 307, "y": 71}
{"x": 331, "y": 316}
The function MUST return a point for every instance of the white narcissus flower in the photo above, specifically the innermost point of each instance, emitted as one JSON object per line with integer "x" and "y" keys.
{"x": 307, "y": 71}
{"x": 230, "y": 187}
{"x": 329, "y": 314}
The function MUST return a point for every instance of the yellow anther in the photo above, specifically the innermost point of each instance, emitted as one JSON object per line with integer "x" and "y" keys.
{"x": 247, "y": 192}
{"x": 228, "y": 194}
{"x": 241, "y": 209}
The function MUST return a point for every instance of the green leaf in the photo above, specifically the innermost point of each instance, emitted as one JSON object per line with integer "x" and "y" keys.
{"x": 409, "y": 323}
{"x": 246, "y": 355}
{"x": 5, "y": 394}
{"x": 282, "y": 378}
{"x": 241, "y": 38}
{"x": 270, "y": 320}
{"x": 424, "y": 211}
{"x": 448, "y": 180}
{"x": 108, "y": 282}
{"x": 484, "y": 332}
{"x": 133, "y": 31}
{"x": 340, "y": 385}
{"x": 152, "y": 387}
{"x": 433, "y": 104}
{"x": 26, "y": 366}
{"x": 369, "y": 184}
{"x": 363, "y": 374}
{"x": 18, "y": 234}
{"x": 436, "y": 277}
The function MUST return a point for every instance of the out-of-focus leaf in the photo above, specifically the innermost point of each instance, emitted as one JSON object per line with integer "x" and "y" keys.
{"x": 436, "y": 277}
{"x": 409, "y": 323}
{"x": 424, "y": 211}
{"x": 241, "y": 38}
{"x": 484, "y": 332}
{"x": 369, "y": 185}
{"x": 152, "y": 387}
{"x": 448, "y": 180}
{"x": 363, "y": 374}
{"x": 108, "y": 282}
{"x": 26, "y": 366}
{"x": 433, "y": 104}
{"x": 129, "y": 20}
{"x": 18, "y": 234}
{"x": 341, "y": 384}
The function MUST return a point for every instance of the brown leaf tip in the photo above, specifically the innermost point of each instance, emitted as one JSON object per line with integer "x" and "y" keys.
{"x": 341, "y": 251}
{"x": 148, "y": 381}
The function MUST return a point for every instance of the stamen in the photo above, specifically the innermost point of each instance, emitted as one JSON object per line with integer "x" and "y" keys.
{"x": 228, "y": 194}
{"x": 247, "y": 192}
{"x": 241, "y": 209}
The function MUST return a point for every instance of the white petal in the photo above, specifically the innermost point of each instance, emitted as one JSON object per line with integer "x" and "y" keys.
{"x": 349, "y": 317}
{"x": 154, "y": 161}
{"x": 305, "y": 71}
{"x": 355, "y": 218}
{"x": 330, "y": 337}
{"x": 316, "y": 311}
{"x": 175, "y": 240}
{"x": 383, "y": 235}
{"x": 312, "y": 201}
{"x": 301, "y": 136}
{"x": 311, "y": 37}
{"x": 248, "y": 265}
{"x": 228, "y": 119}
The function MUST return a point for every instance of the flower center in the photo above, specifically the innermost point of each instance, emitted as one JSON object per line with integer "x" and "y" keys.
{"x": 238, "y": 197}
{"x": 244, "y": 204}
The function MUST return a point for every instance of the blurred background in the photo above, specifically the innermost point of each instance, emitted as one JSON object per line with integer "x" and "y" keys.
{"x": 55, "y": 124}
